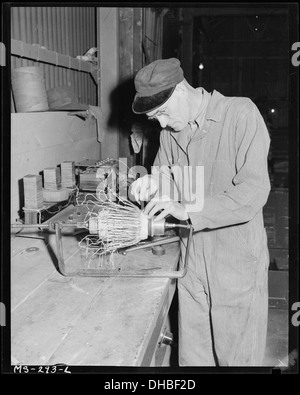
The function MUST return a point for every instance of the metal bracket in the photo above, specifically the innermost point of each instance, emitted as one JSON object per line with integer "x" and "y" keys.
{"x": 96, "y": 272}
{"x": 134, "y": 273}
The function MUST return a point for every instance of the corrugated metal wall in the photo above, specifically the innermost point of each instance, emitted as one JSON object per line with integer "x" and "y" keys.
{"x": 66, "y": 30}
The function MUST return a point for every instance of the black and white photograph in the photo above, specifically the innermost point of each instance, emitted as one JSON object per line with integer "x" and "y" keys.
{"x": 150, "y": 191}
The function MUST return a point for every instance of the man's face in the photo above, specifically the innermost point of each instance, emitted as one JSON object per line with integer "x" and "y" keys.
{"x": 174, "y": 113}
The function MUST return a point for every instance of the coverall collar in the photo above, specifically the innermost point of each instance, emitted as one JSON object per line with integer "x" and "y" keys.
{"x": 214, "y": 109}
{"x": 213, "y": 113}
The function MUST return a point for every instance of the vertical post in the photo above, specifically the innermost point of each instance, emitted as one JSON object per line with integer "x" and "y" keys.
{"x": 137, "y": 39}
{"x": 108, "y": 75}
{"x": 187, "y": 45}
{"x": 130, "y": 60}
{"x": 126, "y": 93}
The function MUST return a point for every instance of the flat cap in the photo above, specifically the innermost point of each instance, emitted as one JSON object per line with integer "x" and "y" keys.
{"x": 155, "y": 83}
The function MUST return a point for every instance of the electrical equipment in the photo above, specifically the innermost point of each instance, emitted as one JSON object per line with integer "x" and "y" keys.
{"x": 46, "y": 212}
{"x": 98, "y": 175}
{"x": 72, "y": 222}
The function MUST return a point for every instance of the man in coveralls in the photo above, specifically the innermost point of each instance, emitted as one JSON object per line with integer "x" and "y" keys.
{"x": 223, "y": 298}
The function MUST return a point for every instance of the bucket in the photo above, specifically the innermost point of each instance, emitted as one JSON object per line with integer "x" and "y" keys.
{"x": 29, "y": 90}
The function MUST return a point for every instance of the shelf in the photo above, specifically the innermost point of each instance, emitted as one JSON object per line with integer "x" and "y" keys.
{"x": 40, "y": 54}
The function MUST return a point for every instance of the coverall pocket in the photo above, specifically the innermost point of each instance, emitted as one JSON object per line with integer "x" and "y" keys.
{"x": 233, "y": 268}
{"x": 243, "y": 235}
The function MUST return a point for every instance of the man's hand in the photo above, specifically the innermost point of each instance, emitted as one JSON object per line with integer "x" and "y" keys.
{"x": 143, "y": 188}
{"x": 168, "y": 207}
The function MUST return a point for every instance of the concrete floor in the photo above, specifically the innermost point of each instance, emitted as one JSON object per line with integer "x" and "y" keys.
{"x": 277, "y": 337}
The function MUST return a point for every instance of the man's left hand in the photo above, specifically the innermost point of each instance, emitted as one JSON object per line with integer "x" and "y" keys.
{"x": 168, "y": 207}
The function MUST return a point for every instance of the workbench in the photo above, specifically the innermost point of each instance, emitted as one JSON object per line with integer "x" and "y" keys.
{"x": 103, "y": 321}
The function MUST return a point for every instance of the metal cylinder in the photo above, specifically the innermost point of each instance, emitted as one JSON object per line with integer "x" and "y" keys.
{"x": 156, "y": 228}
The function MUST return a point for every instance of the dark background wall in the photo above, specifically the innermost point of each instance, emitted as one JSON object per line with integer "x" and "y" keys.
{"x": 244, "y": 49}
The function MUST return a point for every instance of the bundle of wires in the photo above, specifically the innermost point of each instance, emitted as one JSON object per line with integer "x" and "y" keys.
{"x": 112, "y": 225}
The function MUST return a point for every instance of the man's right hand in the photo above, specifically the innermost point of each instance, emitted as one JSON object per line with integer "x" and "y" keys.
{"x": 143, "y": 188}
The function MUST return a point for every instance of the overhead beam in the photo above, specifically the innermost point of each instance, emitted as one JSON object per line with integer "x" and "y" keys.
{"x": 237, "y": 11}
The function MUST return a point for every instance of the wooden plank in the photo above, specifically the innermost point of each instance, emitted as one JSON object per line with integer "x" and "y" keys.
{"x": 83, "y": 320}
{"x": 35, "y": 52}
{"x": 45, "y": 305}
{"x": 129, "y": 327}
{"x": 162, "y": 353}
{"x": 48, "y": 315}
{"x": 19, "y": 243}
{"x": 155, "y": 330}
{"x": 114, "y": 328}
{"x": 29, "y": 269}
{"x": 33, "y": 262}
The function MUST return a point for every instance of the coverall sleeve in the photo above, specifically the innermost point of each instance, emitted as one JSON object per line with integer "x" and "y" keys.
{"x": 250, "y": 187}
